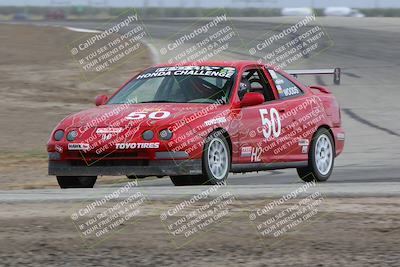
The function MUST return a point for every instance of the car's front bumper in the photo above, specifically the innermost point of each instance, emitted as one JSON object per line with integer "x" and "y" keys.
{"x": 150, "y": 168}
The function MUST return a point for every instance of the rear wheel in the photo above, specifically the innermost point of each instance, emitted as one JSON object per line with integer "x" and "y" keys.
{"x": 321, "y": 158}
{"x": 76, "y": 181}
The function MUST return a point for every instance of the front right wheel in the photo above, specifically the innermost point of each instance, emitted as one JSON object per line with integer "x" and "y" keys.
{"x": 76, "y": 181}
{"x": 321, "y": 158}
{"x": 184, "y": 180}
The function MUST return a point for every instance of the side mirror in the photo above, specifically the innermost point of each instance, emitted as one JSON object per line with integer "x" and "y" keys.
{"x": 101, "y": 100}
{"x": 252, "y": 99}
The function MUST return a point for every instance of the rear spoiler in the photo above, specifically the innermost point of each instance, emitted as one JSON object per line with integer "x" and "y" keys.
{"x": 335, "y": 72}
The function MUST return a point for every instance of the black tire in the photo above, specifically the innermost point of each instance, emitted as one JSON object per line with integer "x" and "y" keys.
{"x": 208, "y": 177}
{"x": 76, "y": 181}
{"x": 184, "y": 180}
{"x": 312, "y": 172}
{"x": 136, "y": 176}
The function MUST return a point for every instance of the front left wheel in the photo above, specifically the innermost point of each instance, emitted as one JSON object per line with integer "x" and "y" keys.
{"x": 216, "y": 159}
{"x": 216, "y": 163}
{"x": 76, "y": 181}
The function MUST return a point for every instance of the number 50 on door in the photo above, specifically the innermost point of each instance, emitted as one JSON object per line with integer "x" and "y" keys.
{"x": 271, "y": 122}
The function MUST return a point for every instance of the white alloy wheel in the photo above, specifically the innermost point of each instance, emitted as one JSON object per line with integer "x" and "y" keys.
{"x": 323, "y": 154}
{"x": 218, "y": 160}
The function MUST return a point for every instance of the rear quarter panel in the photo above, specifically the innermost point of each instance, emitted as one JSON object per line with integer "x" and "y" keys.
{"x": 332, "y": 110}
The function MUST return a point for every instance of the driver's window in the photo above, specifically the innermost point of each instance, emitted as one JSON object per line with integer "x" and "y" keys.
{"x": 254, "y": 80}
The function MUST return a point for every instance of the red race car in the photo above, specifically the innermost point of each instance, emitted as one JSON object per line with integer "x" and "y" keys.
{"x": 197, "y": 122}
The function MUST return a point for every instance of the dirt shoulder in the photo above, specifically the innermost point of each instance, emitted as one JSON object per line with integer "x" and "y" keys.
{"x": 40, "y": 84}
{"x": 347, "y": 232}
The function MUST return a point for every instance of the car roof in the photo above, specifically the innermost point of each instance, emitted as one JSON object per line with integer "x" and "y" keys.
{"x": 236, "y": 64}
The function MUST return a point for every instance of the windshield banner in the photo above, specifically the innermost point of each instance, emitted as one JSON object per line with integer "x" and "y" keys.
{"x": 210, "y": 71}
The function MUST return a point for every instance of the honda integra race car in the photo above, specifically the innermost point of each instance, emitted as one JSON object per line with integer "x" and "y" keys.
{"x": 197, "y": 122}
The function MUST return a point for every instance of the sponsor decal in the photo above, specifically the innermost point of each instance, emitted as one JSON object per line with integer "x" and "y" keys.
{"x": 291, "y": 91}
{"x": 59, "y": 148}
{"x": 78, "y": 146}
{"x": 341, "y": 136}
{"x": 284, "y": 90}
{"x": 279, "y": 88}
{"x": 209, "y": 71}
{"x": 246, "y": 151}
{"x": 214, "y": 121}
{"x": 136, "y": 145}
{"x": 253, "y": 152}
{"x": 109, "y": 130}
{"x": 106, "y": 137}
{"x": 273, "y": 74}
{"x": 256, "y": 154}
{"x": 303, "y": 142}
{"x": 156, "y": 115}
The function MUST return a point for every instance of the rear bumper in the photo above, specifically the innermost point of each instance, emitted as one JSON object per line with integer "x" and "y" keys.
{"x": 153, "y": 168}
{"x": 339, "y": 136}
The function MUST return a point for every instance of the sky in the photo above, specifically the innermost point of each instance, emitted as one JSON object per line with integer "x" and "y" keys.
{"x": 212, "y": 3}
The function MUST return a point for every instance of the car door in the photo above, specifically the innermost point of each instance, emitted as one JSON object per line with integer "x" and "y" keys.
{"x": 260, "y": 134}
{"x": 298, "y": 107}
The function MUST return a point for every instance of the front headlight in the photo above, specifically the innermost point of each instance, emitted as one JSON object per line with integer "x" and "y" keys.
{"x": 148, "y": 135}
{"x": 72, "y": 135}
{"x": 165, "y": 134}
{"x": 58, "y": 135}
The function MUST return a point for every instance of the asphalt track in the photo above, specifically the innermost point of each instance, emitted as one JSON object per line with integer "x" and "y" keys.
{"x": 368, "y": 51}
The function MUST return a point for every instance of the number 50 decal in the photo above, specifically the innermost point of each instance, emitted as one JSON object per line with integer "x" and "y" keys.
{"x": 271, "y": 123}
{"x": 137, "y": 115}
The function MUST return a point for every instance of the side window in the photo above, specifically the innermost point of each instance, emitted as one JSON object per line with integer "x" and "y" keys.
{"x": 284, "y": 86}
{"x": 254, "y": 80}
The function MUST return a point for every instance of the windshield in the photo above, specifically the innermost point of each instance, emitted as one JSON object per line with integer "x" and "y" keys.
{"x": 184, "y": 84}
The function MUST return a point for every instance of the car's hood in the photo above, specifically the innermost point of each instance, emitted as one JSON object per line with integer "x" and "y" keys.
{"x": 121, "y": 115}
